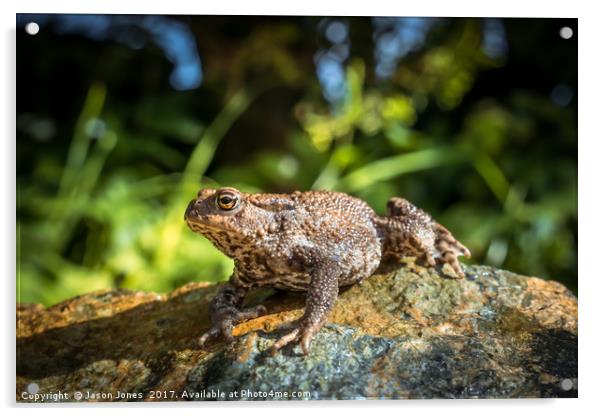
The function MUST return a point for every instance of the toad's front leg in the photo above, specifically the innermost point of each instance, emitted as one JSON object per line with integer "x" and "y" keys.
{"x": 321, "y": 296}
{"x": 226, "y": 312}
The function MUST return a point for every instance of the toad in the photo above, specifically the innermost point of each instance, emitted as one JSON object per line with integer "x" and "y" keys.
{"x": 314, "y": 242}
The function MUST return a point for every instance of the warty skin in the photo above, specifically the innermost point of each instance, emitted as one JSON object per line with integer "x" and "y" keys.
{"x": 314, "y": 242}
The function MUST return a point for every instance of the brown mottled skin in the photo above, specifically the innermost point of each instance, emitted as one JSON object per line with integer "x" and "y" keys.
{"x": 314, "y": 242}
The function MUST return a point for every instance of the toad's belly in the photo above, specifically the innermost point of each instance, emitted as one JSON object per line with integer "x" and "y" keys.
{"x": 283, "y": 269}
{"x": 297, "y": 282}
{"x": 292, "y": 281}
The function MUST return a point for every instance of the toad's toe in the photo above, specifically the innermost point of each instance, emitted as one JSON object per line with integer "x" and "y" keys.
{"x": 285, "y": 340}
{"x": 214, "y": 332}
{"x": 303, "y": 334}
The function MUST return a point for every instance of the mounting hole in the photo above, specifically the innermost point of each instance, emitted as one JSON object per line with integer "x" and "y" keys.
{"x": 566, "y": 32}
{"x": 32, "y": 28}
{"x": 566, "y": 384}
{"x": 33, "y": 388}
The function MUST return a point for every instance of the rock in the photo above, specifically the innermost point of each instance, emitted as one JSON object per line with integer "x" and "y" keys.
{"x": 410, "y": 334}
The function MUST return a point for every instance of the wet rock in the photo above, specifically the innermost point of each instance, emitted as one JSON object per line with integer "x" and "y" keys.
{"x": 410, "y": 334}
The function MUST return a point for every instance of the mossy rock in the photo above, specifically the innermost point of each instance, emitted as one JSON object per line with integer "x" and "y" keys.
{"x": 409, "y": 334}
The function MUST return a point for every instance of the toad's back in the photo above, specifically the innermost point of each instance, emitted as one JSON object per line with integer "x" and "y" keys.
{"x": 319, "y": 225}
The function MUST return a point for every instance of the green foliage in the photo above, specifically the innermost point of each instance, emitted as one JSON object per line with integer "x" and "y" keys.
{"x": 123, "y": 231}
{"x": 109, "y": 213}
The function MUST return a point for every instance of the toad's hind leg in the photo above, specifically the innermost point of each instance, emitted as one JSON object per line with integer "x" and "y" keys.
{"x": 430, "y": 241}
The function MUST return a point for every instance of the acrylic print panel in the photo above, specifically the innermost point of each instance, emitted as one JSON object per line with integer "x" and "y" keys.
{"x": 295, "y": 208}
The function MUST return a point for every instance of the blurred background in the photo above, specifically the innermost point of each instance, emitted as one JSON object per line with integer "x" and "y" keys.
{"x": 121, "y": 119}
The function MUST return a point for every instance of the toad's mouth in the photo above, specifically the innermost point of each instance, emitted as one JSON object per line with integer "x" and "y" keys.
{"x": 200, "y": 223}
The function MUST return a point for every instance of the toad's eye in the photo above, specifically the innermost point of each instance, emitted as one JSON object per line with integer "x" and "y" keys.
{"x": 227, "y": 201}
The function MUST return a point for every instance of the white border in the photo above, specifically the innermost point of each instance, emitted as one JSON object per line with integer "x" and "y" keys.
{"x": 507, "y": 8}
{"x": 590, "y": 152}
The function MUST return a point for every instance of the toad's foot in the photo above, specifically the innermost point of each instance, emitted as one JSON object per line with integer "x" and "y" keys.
{"x": 448, "y": 248}
{"x": 303, "y": 334}
{"x": 224, "y": 324}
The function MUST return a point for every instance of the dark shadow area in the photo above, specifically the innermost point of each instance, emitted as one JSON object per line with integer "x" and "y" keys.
{"x": 151, "y": 332}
